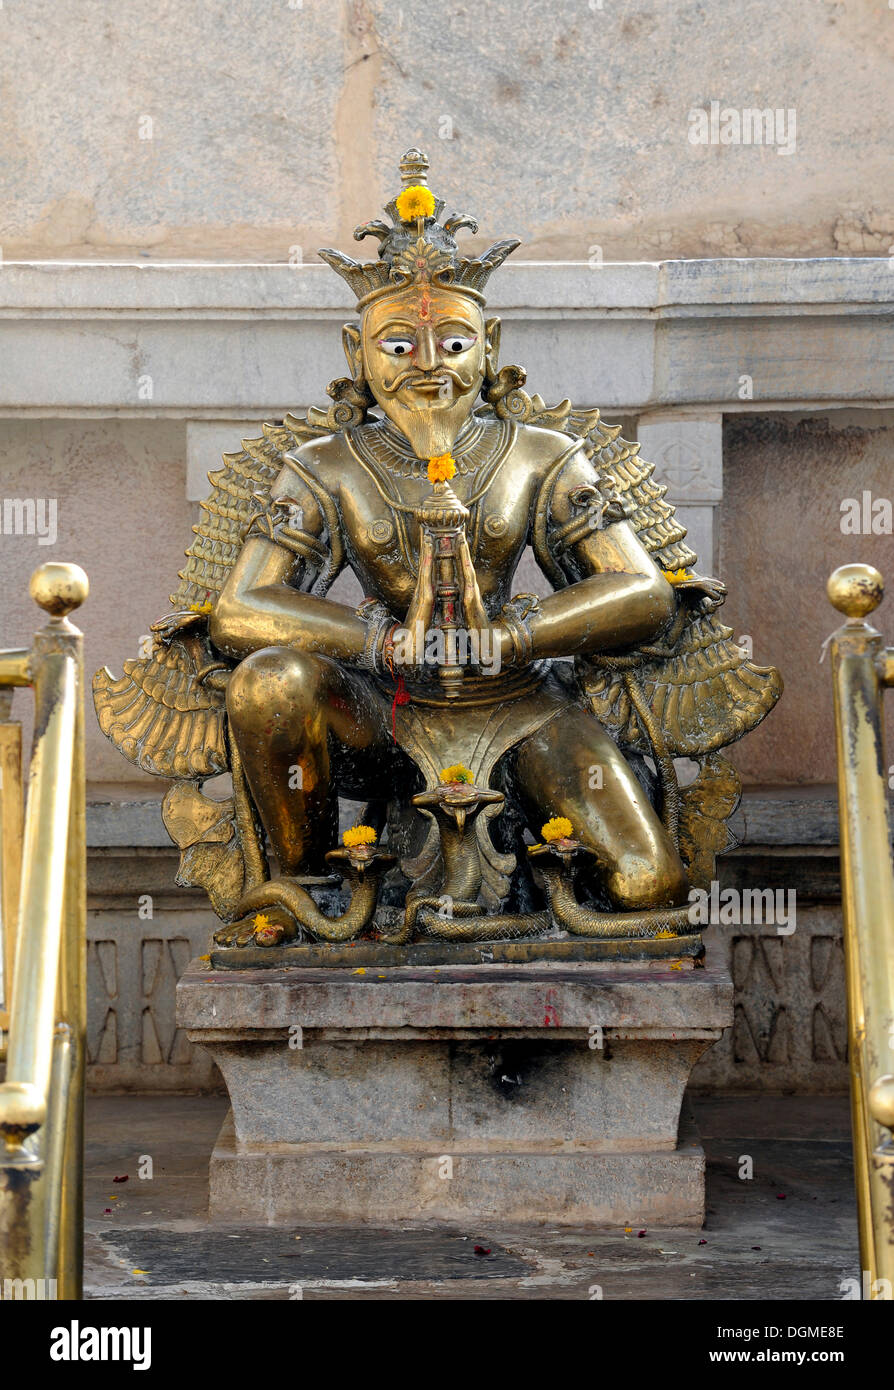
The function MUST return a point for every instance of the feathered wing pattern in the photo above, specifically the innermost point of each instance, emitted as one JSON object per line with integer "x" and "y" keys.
{"x": 166, "y": 714}
{"x": 701, "y": 688}
{"x": 161, "y": 717}
{"x": 240, "y": 488}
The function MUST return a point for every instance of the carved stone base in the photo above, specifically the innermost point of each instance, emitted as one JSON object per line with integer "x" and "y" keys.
{"x": 546, "y": 1091}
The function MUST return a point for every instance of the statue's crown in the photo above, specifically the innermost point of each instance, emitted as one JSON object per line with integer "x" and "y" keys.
{"x": 417, "y": 247}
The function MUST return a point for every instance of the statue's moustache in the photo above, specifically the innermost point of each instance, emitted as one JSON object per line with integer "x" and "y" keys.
{"x": 413, "y": 377}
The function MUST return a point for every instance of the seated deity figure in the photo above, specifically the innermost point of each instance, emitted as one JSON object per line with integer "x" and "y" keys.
{"x": 515, "y": 754}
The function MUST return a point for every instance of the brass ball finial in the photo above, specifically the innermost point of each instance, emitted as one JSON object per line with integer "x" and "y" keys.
{"x": 855, "y": 590}
{"x": 881, "y": 1101}
{"x": 59, "y": 588}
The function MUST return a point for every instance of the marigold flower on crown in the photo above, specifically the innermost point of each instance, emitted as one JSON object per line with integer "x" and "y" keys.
{"x": 418, "y": 248}
{"x": 358, "y": 835}
{"x": 441, "y": 468}
{"x": 415, "y": 201}
{"x": 557, "y": 828}
{"x": 457, "y": 773}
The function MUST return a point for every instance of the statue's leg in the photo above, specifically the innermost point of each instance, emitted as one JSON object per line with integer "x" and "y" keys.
{"x": 570, "y": 767}
{"x": 293, "y": 714}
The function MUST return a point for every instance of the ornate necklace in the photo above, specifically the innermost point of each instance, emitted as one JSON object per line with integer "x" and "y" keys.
{"x": 475, "y": 446}
{"x": 375, "y": 452}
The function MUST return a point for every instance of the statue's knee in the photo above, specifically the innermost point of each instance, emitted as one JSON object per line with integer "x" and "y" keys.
{"x": 640, "y": 881}
{"x": 276, "y": 682}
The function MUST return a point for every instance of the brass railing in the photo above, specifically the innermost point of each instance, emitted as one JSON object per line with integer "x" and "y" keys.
{"x": 861, "y": 668}
{"x": 43, "y": 905}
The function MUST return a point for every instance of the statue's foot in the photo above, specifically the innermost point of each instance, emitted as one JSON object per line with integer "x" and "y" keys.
{"x": 272, "y": 927}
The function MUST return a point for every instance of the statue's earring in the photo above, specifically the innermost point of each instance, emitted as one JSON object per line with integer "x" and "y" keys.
{"x": 350, "y": 341}
{"x": 491, "y": 354}
{"x": 501, "y": 387}
{"x": 351, "y": 395}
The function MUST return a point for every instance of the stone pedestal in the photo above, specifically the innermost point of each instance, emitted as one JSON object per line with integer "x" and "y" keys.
{"x": 538, "y": 1092}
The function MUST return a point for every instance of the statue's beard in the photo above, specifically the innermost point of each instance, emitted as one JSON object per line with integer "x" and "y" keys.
{"x": 431, "y": 425}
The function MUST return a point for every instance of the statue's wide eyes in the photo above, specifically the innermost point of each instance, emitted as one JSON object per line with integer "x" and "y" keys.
{"x": 455, "y": 342}
{"x": 397, "y": 347}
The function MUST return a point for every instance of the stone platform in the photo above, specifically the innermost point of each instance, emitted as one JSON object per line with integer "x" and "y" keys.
{"x": 547, "y": 1091}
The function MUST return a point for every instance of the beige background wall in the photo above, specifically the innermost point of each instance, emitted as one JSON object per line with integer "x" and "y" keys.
{"x": 273, "y": 125}
{"x": 780, "y": 538}
{"x": 279, "y": 122}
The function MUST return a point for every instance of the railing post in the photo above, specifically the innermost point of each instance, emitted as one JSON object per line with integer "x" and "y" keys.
{"x": 867, "y": 887}
{"x": 72, "y": 1007}
{"x": 11, "y": 818}
{"x": 41, "y": 1203}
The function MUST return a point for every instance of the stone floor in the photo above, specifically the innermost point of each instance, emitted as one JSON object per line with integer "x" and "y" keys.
{"x": 788, "y": 1232}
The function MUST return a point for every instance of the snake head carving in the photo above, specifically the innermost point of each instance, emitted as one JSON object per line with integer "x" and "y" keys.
{"x": 457, "y": 803}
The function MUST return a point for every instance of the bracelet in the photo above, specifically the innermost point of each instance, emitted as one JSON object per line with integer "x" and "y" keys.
{"x": 379, "y": 622}
{"x": 516, "y": 614}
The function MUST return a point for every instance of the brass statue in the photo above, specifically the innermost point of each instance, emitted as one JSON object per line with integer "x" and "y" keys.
{"x": 462, "y": 714}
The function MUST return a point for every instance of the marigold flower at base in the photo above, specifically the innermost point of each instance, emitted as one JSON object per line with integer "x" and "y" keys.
{"x": 261, "y": 920}
{"x": 677, "y": 576}
{"x": 441, "y": 468}
{"x": 416, "y": 201}
{"x": 558, "y": 828}
{"x": 457, "y": 773}
{"x": 358, "y": 835}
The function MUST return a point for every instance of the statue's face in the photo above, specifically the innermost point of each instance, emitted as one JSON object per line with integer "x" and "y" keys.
{"x": 423, "y": 353}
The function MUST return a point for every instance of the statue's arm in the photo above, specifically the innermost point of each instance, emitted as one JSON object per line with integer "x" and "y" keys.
{"x": 260, "y": 604}
{"x": 618, "y": 595}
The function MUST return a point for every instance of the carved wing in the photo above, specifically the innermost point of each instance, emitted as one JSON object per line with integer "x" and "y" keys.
{"x": 239, "y": 489}
{"x": 161, "y": 717}
{"x": 166, "y": 714}
{"x": 702, "y": 690}
{"x": 628, "y": 477}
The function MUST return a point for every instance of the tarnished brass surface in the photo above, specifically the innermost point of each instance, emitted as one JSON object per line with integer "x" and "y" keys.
{"x": 357, "y": 954}
{"x": 428, "y": 474}
{"x": 859, "y": 666}
{"x": 42, "y": 1098}
{"x": 11, "y": 833}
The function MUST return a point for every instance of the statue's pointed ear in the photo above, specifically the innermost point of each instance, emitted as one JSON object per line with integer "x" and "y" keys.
{"x": 491, "y": 345}
{"x": 350, "y": 340}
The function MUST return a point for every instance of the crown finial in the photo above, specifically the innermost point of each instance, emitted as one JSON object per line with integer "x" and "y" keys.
{"x": 417, "y": 247}
{"x": 414, "y": 168}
